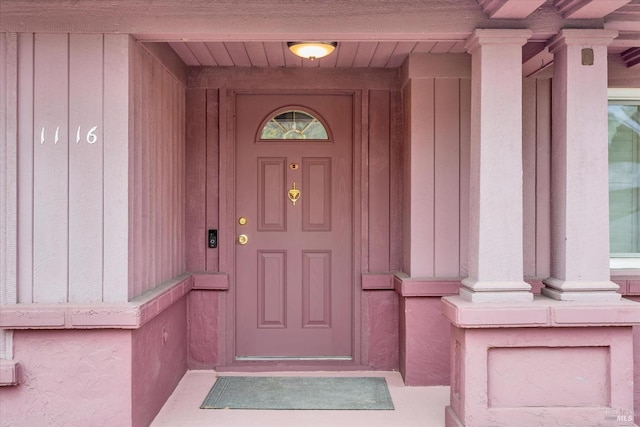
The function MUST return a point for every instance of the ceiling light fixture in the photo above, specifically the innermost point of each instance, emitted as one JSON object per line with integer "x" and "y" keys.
{"x": 312, "y": 50}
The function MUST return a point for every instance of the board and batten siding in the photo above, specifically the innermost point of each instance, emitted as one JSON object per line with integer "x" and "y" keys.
{"x": 437, "y": 106}
{"x": 377, "y": 91}
{"x": 8, "y": 181}
{"x": 157, "y": 173}
{"x": 536, "y": 165}
{"x": 437, "y": 156}
{"x": 384, "y": 213}
{"x": 95, "y": 112}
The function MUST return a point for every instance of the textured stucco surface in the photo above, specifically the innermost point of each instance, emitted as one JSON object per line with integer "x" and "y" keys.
{"x": 586, "y": 370}
{"x": 159, "y": 360}
{"x": 70, "y": 378}
{"x": 424, "y": 342}
{"x": 383, "y": 329}
{"x": 203, "y": 329}
{"x": 106, "y": 377}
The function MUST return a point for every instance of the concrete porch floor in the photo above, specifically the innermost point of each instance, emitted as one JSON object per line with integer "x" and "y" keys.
{"x": 414, "y": 406}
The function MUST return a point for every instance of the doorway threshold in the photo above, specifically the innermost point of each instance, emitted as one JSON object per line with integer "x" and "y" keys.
{"x": 290, "y": 358}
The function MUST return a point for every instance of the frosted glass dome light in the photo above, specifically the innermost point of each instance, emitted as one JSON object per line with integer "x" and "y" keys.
{"x": 312, "y": 50}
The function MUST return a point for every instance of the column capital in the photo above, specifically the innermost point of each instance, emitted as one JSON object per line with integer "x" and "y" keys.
{"x": 483, "y": 37}
{"x": 579, "y": 37}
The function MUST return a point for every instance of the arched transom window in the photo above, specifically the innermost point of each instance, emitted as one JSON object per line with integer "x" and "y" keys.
{"x": 294, "y": 124}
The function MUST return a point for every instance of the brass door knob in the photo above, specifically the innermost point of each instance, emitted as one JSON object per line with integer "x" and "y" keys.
{"x": 243, "y": 239}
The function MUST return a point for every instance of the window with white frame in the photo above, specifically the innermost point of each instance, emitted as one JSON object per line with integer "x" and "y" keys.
{"x": 624, "y": 177}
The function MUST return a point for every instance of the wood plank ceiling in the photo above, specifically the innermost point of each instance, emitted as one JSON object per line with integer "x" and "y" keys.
{"x": 620, "y": 15}
{"x": 348, "y": 54}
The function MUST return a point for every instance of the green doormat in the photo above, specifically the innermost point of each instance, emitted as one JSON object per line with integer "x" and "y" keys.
{"x": 299, "y": 393}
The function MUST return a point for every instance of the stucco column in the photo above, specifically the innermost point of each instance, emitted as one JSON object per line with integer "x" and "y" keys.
{"x": 579, "y": 169}
{"x": 495, "y": 205}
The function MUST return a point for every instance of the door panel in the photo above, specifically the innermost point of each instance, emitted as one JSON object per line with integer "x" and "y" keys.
{"x": 271, "y": 186}
{"x": 293, "y": 277}
{"x": 272, "y": 290}
{"x": 316, "y": 178}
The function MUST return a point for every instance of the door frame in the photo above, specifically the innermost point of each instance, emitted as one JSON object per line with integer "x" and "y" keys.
{"x": 227, "y": 241}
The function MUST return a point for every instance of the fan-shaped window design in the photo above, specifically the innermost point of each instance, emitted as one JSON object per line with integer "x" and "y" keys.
{"x": 294, "y": 124}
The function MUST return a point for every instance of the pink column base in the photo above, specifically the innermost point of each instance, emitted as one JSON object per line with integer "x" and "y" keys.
{"x": 530, "y": 370}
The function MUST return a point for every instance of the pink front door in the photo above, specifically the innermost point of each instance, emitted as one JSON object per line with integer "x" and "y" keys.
{"x": 294, "y": 288}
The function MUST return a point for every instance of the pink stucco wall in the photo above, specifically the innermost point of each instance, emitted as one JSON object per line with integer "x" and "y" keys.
{"x": 203, "y": 329}
{"x": 120, "y": 374}
{"x": 424, "y": 342}
{"x": 382, "y": 330}
{"x": 158, "y": 361}
{"x": 71, "y": 378}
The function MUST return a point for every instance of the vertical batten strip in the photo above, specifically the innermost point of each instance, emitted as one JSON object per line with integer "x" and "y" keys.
{"x": 447, "y": 176}
{"x": 182, "y": 198}
{"x": 164, "y": 168}
{"x": 51, "y": 169}
{"x": 543, "y": 177}
{"x": 155, "y": 99}
{"x": 116, "y": 168}
{"x": 9, "y": 168}
{"x": 177, "y": 235}
{"x": 365, "y": 166}
{"x": 529, "y": 174}
{"x": 174, "y": 234}
{"x": 25, "y": 166}
{"x": 379, "y": 185}
{"x": 146, "y": 249}
{"x": 170, "y": 162}
{"x": 195, "y": 210}
{"x": 465, "y": 156}
{"x": 137, "y": 188}
{"x": 214, "y": 172}
{"x": 395, "y": 181}
{"x": 8, "y": 181}
{"x": 85, "y": 167}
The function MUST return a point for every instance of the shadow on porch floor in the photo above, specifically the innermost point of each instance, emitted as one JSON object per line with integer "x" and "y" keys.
{"x": 414, "y": 406}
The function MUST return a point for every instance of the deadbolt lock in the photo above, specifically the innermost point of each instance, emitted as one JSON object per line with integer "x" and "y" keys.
{"x": 242, "y": 220}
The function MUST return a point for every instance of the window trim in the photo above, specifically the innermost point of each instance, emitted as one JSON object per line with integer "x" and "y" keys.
{"x": 629, "y": 96}
{"x": 305, "y": 110}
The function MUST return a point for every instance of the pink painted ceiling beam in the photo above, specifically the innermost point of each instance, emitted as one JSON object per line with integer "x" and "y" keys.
{"x": 510, "y": 9}
{"x": 588, "y": 9}
{"x": 631, "y": 57}
{"x": 537, "y": 63}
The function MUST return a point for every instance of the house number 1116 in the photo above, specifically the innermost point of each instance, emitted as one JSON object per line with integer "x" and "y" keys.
{"x": 91, "y": 137}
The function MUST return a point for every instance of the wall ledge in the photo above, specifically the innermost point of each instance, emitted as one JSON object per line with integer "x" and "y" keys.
{"x": 425, "y": 287}
{"x": 129, "y": 315}
{"x": 210, "y": 281}
{"x": 10, "y": 373}
{"x": 541, "y": 312}
{"x": 628, "y": 281}
{"x": 377, "y": 281}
